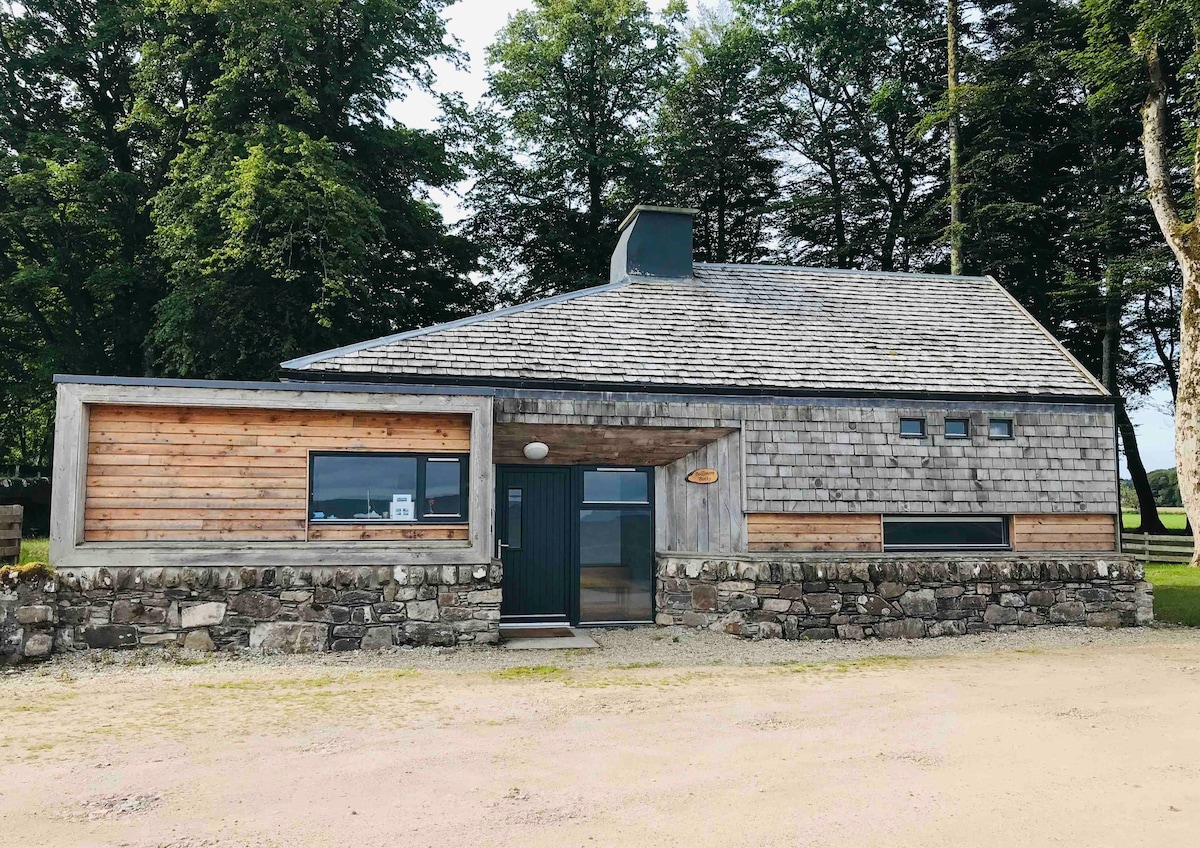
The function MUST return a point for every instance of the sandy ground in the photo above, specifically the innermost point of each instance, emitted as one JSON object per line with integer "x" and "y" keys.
{"x": 1070, "y": 738}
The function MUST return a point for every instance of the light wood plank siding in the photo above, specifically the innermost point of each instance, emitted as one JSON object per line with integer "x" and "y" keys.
{"x": 701, "y": 518}
{"x": 1064, "y": 532}
{"x": 387, "y": 533}
{"x": 791, "y": 531}
{"x": 161, "y": 473}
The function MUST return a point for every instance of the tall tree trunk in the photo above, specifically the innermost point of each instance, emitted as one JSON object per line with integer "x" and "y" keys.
{"x": 1182, "y": 239}
{"x": 1110, "y": 368}
{"x": 956, "y": 260}
{"x": 1148, "y": 510}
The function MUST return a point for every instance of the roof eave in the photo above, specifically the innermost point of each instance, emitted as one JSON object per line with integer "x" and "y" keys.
{"x": 1031, "y": 396}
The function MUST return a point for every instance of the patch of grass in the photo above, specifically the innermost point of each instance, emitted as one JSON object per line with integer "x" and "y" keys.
{"x": 1176, "y": 593}
{"x": 843, "y": 666}
{"x": 34, "y": 550}
{"x": 654, "y": 664}
{"x": 530, "y": 672}
{"x": 1173, "y": 518}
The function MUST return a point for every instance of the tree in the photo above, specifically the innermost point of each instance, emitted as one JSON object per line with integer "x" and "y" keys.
{"x": 716, "y": 154}
{"x": 296, "y": 217}
{"x": 851, "y": 86}
{"x": 562, "y": 149}
{"x": 78, "y": 280}
{"x": 1052, "y": 201}
{"x": 1146, "y": 53}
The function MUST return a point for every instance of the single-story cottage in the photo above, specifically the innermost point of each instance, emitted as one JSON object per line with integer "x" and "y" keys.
{"x": 762, "y": 450}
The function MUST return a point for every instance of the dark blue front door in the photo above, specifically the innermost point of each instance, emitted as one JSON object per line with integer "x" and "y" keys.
{"x": 533, "y": 520}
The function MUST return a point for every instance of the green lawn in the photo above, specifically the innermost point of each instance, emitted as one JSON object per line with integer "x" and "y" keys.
{"x": 35, "y": 550}
{"x": 1173, "y": 517}
{"x": 1176, "y": 593}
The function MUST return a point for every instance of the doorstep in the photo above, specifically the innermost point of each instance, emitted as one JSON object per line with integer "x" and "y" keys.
{"x": 551, "y": 638}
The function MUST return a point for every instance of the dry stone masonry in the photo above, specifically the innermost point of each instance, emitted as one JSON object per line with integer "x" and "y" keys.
{"x": 28, "y": 615}
{"x": 828, "y": 597}
{"x": 288, "y": 609}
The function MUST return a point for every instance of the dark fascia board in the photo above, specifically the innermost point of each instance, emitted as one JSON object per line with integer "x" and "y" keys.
{"x": 283, "y": 386}
{"x": 702, "y": 391}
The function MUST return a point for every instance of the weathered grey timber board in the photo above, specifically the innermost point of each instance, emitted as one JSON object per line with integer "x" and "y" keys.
{"x": 807, "y": 455}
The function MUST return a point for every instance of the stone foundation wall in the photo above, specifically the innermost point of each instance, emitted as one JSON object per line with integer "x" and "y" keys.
{"x": 278, "y": 609}
{"x": 793, "y": 596}
{"x": 28, "y": 615}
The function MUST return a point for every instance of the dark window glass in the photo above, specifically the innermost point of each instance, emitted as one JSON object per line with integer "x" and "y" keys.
{"x": 945, "y": 532}
{"x": 958, "y": 428}
{"x": 1000, "y": 428}
{"x": 514, "y": 512}
{"x": 912, "y": 427}
{"x": 616, "y": 552}
{"x": 443, "y": 487}
{"x": 616, "y": 486}
{"x": 358, "y": 487}
{"x": 364, "y": 487}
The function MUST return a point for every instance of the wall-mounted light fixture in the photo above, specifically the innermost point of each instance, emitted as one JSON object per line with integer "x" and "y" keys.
{"x": 536, "y": 450}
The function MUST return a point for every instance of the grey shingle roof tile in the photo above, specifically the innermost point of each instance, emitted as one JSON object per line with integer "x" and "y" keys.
{"x": 749, "y": 326}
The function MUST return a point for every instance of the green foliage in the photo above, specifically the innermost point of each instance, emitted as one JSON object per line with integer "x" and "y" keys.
{"x": 203, "y": 189}
{"x": 847, "y": 89}
{"x": 716, "y": 151}
{"x": 561, "y": 152}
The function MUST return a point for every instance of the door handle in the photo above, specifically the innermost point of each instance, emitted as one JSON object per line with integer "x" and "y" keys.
{"x": 500, "y": 547}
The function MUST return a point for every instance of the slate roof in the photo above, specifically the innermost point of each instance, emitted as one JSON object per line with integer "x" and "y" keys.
{"x": 754, "y": 327}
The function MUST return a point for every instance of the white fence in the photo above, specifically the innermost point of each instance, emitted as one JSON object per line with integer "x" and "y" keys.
{"x": 1149, "y": 548}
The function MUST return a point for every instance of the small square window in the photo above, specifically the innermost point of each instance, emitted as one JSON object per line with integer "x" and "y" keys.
{"x": 913, "y": 428}
{"x": 1000, "y": 428}
{"x": 958, "y": 428}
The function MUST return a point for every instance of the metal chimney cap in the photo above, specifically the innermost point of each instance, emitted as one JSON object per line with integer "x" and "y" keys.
{"x": 671, "y": 210}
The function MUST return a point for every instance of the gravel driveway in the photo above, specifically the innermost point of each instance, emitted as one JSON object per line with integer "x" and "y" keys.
{"x": 1058, "y": 737}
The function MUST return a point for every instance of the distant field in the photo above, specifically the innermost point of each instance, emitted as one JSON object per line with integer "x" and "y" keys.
{"x": 1173, "y": 517}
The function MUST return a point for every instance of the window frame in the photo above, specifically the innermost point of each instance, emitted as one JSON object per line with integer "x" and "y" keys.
{"x": 629, "y": 469}
{"x": 1012, "y": 429}
{"x": 422, "y": 517}
{"x": 924, "y": 428}
{"x": 965, "y": 434}
{"x": 1004, "y": 521}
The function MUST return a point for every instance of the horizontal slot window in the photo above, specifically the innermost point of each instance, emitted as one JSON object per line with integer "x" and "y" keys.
{"x": 387, "y": 487}
{"x": 913, "y": 428}
{"x": 1000, "y": 428}
{"x": 931, "y": 532}
{"x": 958, "y": 428}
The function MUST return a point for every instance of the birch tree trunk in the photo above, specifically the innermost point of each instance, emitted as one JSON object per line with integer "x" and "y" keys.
{"x": 1181, "y": 237}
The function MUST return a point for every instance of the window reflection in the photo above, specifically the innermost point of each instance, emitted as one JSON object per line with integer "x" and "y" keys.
{"x": 616, "y": 558}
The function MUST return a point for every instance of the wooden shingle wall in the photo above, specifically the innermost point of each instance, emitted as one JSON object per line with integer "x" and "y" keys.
{"x": 160, "y": 473}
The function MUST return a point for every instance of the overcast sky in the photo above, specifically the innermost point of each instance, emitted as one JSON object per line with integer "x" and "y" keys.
{"x": 476, "y": 22}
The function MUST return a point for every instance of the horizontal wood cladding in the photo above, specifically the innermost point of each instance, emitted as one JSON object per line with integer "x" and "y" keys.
{"x": 1064, "y": 532}
{"x": 162, "y": 473}
{"x": 794, "y": 531}
{"x": 387, "y": 533}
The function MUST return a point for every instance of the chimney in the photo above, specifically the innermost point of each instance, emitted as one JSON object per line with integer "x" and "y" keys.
{"x": 656, "y": 241}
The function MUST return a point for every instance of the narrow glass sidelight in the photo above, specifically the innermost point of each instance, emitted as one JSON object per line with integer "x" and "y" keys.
{"x": 514, "y": 518}
{"x": 616, "y": 546}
